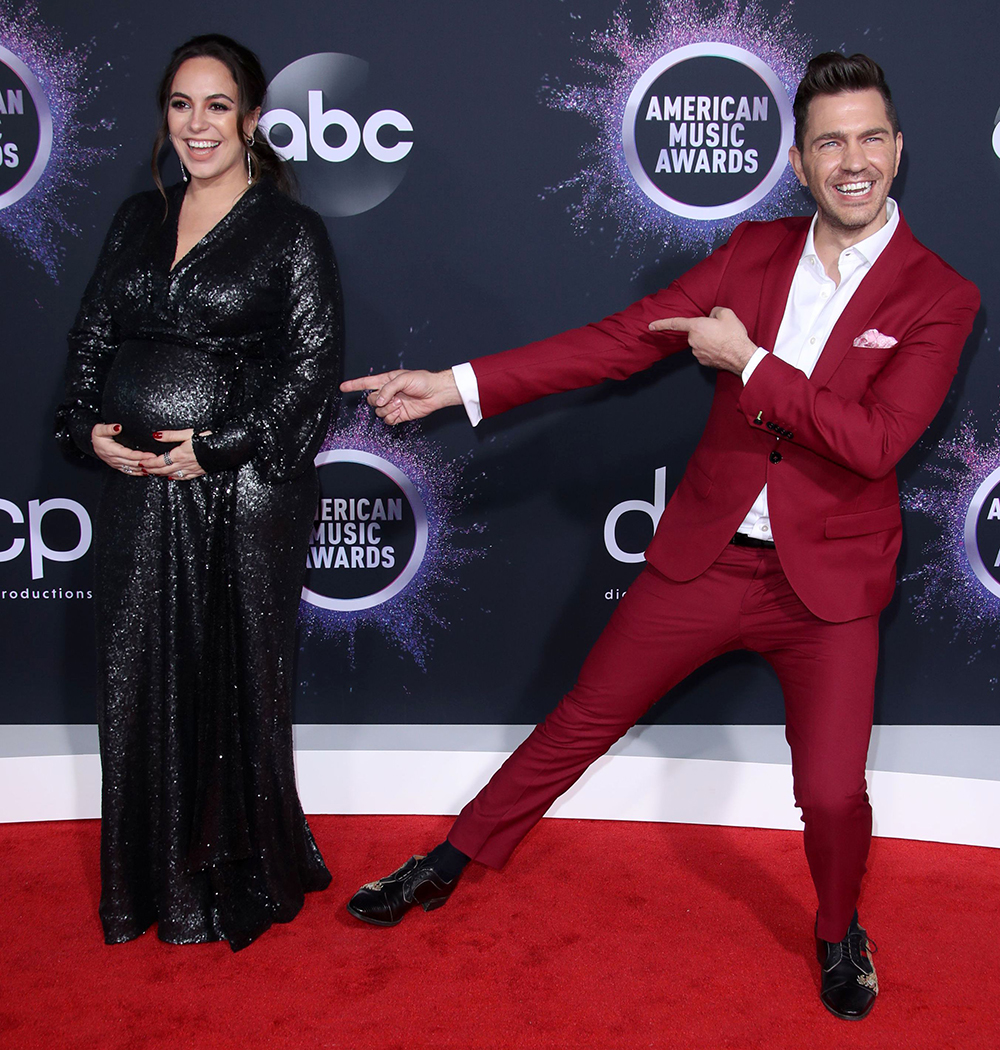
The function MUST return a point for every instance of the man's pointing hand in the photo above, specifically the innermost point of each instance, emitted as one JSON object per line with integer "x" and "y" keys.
{"x": 719, "y": 340}
{"x": 402, "y": 395}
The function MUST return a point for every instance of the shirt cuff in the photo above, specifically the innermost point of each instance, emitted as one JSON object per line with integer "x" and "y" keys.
{"x": 468, "y": 391}
{"x": 758, "y": 355}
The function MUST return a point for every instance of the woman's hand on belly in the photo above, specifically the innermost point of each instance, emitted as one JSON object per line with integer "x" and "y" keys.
{"x": 178, "y": 463}
{"x": 118, "y": 457}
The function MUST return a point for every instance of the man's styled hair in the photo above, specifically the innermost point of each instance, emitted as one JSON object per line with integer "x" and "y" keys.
{"x": 831, "y": 73}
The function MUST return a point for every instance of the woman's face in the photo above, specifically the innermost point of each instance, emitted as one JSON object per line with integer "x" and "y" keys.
{"x": 201, "y": 117}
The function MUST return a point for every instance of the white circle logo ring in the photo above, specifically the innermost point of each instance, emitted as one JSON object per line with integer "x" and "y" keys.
{"x": 975, "y": 556}
{"x": 34, "y": 173}
{"x": 646, "y": 81}
{"x": 391, "y": 471}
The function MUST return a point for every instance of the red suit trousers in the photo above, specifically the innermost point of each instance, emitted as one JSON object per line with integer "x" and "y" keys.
{"x": 660, "y": 632}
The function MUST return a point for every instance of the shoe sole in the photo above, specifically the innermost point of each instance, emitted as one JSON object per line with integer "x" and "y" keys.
{"x": 849, "y": 1017}
{"x": 374, "y": 922}
{"x": 430, "y": 905}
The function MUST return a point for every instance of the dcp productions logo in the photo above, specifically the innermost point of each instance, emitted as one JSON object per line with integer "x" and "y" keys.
{"x": 65, "y": 537}
{"x": 706, "y": 131}
{"x": 349, "y": 155}
{"x": 370, "y": 534}
{"x": 982, "y": 533}
{"x": 25, "y": 129}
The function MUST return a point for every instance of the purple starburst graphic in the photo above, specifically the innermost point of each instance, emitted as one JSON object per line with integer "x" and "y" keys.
{"x": 37, "y": 223}
{"x": 946, "y": 579}
{"x": 618, "y": 57}
{"x": 409, "y": 618}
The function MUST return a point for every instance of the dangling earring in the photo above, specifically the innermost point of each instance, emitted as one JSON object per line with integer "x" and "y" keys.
{"x": 249, "y": 168}
{"x": 184, "y": 174}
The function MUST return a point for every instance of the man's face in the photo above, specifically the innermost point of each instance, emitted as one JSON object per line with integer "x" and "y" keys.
{"x": 848, "y": 160}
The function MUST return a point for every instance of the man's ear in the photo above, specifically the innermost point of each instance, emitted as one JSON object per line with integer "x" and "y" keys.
{"x": 795, "y": 159}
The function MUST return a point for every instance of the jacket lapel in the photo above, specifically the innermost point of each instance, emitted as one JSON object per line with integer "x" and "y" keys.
{"x": 776, "y": 285}
{"x": 874, "y": 287}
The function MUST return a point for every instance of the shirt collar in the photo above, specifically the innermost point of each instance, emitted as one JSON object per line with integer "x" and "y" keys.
{"x": 866, "y": 251}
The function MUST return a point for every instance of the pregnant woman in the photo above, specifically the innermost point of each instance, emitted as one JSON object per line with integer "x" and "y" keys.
{"x": 201, "y": 371}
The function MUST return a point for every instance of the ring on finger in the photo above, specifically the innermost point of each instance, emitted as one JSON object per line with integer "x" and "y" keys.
{"x": 166, "y": 458}
{"x": 179, "y": 474}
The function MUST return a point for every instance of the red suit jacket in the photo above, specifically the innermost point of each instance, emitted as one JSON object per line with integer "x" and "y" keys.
{"x": 826, "y": 445}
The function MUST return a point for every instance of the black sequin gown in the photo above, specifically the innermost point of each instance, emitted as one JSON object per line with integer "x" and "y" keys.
{"x": 198, "y": 582}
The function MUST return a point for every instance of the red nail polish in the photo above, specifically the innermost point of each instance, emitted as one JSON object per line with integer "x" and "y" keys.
{"x": 117, "y": 428}
{"x": 157, "y": 434}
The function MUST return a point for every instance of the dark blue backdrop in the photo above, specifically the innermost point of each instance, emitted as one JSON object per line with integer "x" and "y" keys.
{"x": 470, "y": 255}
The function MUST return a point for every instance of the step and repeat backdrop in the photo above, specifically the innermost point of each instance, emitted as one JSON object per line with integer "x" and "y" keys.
{"x": 490, "y": 174}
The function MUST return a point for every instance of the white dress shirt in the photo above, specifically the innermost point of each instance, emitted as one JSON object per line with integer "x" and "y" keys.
{"x": 815, "y": 303}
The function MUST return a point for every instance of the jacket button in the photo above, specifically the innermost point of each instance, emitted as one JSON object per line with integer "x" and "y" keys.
{"x": 775, "y": 456}
{"x": 771, "y": 426}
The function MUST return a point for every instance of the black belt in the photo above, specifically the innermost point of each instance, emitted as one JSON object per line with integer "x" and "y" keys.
{"x": 741, "y": 539}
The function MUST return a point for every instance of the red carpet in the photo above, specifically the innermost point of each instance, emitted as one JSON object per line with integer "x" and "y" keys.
{"x": 597, "y": 934}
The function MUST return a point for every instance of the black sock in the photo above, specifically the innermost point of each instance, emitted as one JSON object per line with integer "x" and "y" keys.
{"x": 448, "y": 862}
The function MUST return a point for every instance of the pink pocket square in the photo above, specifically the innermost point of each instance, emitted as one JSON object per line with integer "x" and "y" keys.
{"x": 874, "y": 338}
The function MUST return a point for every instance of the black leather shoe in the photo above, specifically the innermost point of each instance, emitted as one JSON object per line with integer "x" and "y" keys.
{"x": 386, "y": 901}
{"x": 849, "y": 984}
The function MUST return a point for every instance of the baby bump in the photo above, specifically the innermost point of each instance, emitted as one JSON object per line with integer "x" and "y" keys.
{"x": 155, "y": 386}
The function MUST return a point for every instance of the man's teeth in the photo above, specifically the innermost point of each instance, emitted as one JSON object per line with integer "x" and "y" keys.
{"x": 854, "y": 189}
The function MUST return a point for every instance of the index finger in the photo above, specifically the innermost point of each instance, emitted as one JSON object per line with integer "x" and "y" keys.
{"x": 672, "y": 324}
{"x": 350, "y": 386}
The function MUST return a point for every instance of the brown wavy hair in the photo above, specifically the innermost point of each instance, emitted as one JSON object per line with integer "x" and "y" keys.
{"x": 251, "y": 86}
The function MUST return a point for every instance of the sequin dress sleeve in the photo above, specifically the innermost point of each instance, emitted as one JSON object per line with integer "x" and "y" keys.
{"x": 93, "y": 343}
{"x": 287, "y": 415}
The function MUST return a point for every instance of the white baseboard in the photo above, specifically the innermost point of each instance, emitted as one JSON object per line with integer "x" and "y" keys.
{"x": 50, "y": 787}
{"x": 617, "y": 787}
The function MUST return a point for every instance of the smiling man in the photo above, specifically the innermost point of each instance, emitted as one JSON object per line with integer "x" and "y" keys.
{"x": 835, "y": 340}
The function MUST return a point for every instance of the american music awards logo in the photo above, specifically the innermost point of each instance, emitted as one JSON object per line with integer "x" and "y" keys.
{"x": 389, "y": 538}
{"x": 706, "y": 131}
{"x": 692, "y": 122}
{"x": 960, "y": 570}
{"x": 25, "y": 129}
{"x": 47, "y": 139}
{"x": 982, "y": 533}
{"x": 370, "y": 534}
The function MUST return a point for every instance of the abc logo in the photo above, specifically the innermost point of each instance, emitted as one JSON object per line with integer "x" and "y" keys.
{"x": 348, "y": 150}
{"x": 25, "y": 129}
{"x": 706, "y": 131}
